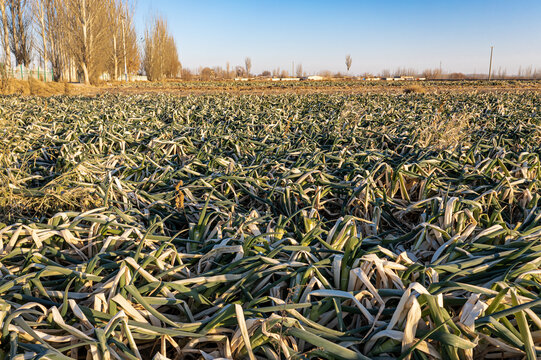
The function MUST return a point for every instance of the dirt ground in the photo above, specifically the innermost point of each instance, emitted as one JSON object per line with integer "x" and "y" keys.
{"x": 259, "y": 88}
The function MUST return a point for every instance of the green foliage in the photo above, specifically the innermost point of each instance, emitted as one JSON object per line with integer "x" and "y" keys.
{"x": 139, "y": 224}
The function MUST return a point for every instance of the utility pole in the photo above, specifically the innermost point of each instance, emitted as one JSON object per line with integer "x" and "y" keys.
{"x": 490, "y": 64}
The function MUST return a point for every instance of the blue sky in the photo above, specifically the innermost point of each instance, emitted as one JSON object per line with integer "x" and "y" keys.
{"x": 379, "y": 35}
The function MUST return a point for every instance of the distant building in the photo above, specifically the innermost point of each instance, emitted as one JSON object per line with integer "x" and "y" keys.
{"x": 315, "y": 77}
{"x": 131, "y": 77}
{"x": 396, "y": 78}
{"x": 286, "y": 79}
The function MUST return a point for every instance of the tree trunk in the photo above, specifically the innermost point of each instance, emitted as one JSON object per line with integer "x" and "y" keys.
{"x": 85, "y": 72}
{"x": 115, "y": 57}
{"x": 5, "y": 40}
{"x": 15, "y": 33}
{"x": 85, "y": 50}
{"x": 44, "y": 37}
{"x": 23, "y": 37}
{"x": 124, "y": 47}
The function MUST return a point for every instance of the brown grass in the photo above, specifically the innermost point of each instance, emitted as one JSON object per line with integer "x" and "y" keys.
{"x": 443, "y": 133}
{"x": 14, "y": 205}
{"x": 35, "y": 87}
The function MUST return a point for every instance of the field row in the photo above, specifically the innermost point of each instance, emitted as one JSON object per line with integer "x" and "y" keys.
{"x": 329, "y": 84}
{"x": 324, "y": 226}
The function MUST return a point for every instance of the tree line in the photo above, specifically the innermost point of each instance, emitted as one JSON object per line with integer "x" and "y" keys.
{"x": 84, "y": 39}
{"x": 220, "y": 73}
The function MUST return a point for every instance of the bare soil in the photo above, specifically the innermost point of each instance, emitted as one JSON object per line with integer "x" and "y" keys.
{"x": 259, "y": 89}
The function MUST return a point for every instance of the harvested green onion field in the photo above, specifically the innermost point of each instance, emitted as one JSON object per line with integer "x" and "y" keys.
{"x": 280, "y": 227}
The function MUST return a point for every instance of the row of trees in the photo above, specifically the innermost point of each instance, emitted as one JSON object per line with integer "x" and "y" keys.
{"x": 161, "y": 57}
{"x": 440, "y": 74}
{"x": 431, "y": 74}
{"x": 84, "y": 38}
{"x": 228, "y": 73}
{"x": 207, "y": 73}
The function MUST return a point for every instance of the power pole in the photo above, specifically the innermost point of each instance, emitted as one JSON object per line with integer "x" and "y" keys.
{"x": 490, "y": 64}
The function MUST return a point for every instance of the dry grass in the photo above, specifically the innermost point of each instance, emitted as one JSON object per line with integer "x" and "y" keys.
{"x": 442, "y": 133}
{"x": 15, "y": 205}
{"x": 35, "y": 87}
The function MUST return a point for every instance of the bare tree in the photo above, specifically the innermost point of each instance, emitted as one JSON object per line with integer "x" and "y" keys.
{"x": 20, "y": 27}
{"x": 187, "y": 74}
{"x": 90, "y": 36}
{"x": 172, "y": 62}
{"x": 326, "y": 74}
{"x": 87, "y": 30}
{"x": 38, "y": 7}
{"x": 431, "y": 74}
{"x": 403, "y": 71}
{"x": 132, "y": 53}
{"x": 115, "y": 20}
{"x": 299, "y": 70}
{"x": 153, "y": 63}
{"x": 348, "y": 62}
{"x": 529, "y": 72}
{"x": 248, "y": 66}
{"x": 239, "y": 71}
{"x": 123, "y": 52}
{"x": 207, "y": 74}
{"x": 58, "y": 44}
{"x": 129, "y": 50}
{"x": 4, "y": 30}
{"x": 161, "y": 55}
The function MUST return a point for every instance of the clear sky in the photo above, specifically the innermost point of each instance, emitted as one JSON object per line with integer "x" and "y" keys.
{"x": 382, "y": 34}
